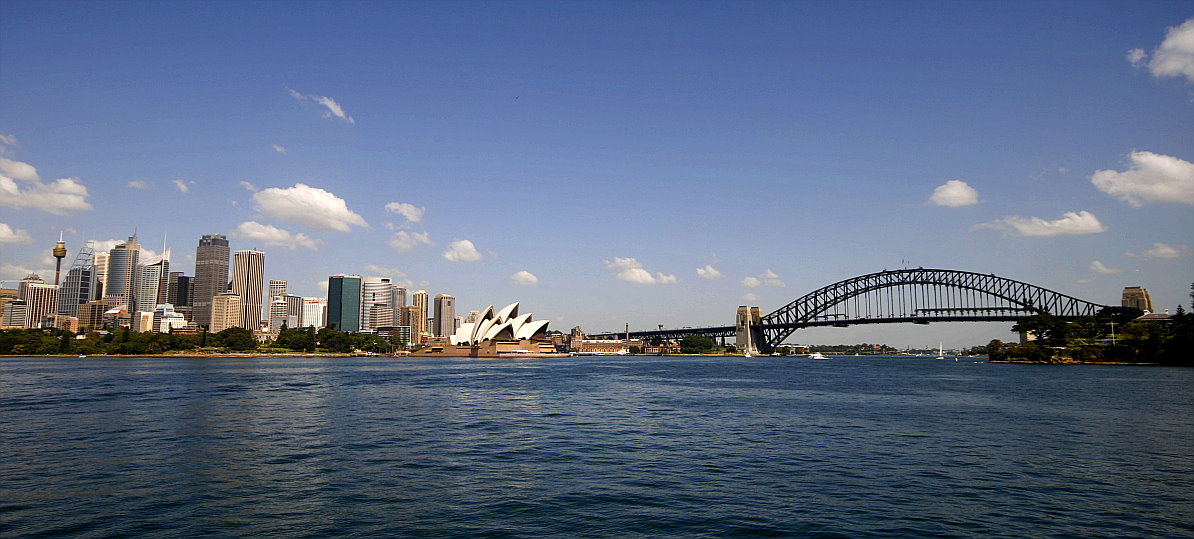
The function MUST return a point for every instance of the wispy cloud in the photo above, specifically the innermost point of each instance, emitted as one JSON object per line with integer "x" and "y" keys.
{"x": 308, "y": 206}
{"x": 334, "y": 110}
{"x": 1151, "y": 178}
{"x": 280, "y": 149}
{"x": 269, "y": 235}
{"x": 8, "y": 235}
{"x": 461, "y": 251}
{"x": 248, "y": 186}
{"x": 137, "y": 184}
{"x": 709, "y": 272}
{"x": 954, "y": 193}
{"x": 524, "y": 278}
{"x": 1099, "y": 267}
{"x": 183, "y": 185}
{"x": 405, "y": 242}
{"x": 1163, "y": 251}
{"x": 1070, "y": 223}
{"x": 631, "y": 271}
{"x": 382, "y": 271}
{"x": 410, "y": 212}
{"x": 767, "y": 278}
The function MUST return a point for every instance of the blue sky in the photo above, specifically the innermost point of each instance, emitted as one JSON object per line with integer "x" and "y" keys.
{"x": 610, "y": 149}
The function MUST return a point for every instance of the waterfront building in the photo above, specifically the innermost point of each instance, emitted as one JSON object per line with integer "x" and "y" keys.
{"x": 211, "y": 276}
{"x": 314, "y": 313}
{"x": 501, "y": 334}
{"x": 376, "y": 292}
{"x": 344, "y": 303}
{"x": 399, "y": 299}
{"x": 277, "y": 314}
{"x": 166, "y": 319}
{"x": 122, "y": 271}
{"x": 6, "y": 295}
{"x": 248, "y": 276}
{"x": 91, "y": 314}
{"x": 418, "y": 323}
{"x": 445, "y": 315}
{"x": 14, "y": 314}
{"x": 399, "y": 335}
{"x": 226, "y": 312}
{"x": 41, "y": 301}
{"x": 1137, "y": 298}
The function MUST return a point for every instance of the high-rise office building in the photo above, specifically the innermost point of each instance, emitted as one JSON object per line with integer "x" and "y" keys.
{"x": 344, "y": 303}
{"x": 248, "y": 282}
{"x": 314, "y": 312}
{"x": 211, "y": 276}
{"x": 375, "y": 291}
{"x": 178, "y": 293}
{"x": 99, "y": 264}
{"x": 152, "y": 285}
{"x": 445, "y": 315}
{"x": 76, "y": 289}
{"x": 1137, "y": 298}
{"x": 418, "y": 323}
{"x": 121, "y": 279}
{"x": 399, "y": 299}
{"x": 40, "y": 299}
{"x": 277, "y": 287}
{"x": 226, "y": 311}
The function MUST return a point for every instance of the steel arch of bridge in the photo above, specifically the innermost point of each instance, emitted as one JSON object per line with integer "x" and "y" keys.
{"x": 899, "y": 296}
{"x": 919, "y": 296}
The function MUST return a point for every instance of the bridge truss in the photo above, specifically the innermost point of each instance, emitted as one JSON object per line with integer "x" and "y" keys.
{"x": 917, "y": 296}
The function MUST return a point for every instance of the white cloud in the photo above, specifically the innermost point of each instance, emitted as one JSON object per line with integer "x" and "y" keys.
{"x": 12, "y": 272}
{"x": 58, "y": 197}
{"x": 8, "y": 235}
{"x": 7, "y": 140}
{"x": 273, "y": 236}
{"x": 1071, "y": 223}
{"x": 1151, "y": 178}
{"x": 1098, "y": 267}
{"x": 412, "y": 213}
{"x": 750, "y": 296}
{"x": 767, "y": 278}
{"x": 771, "y": 279}
{"x": 183, "y": 185}
{"x": 953, "y": 194}
{"x": 1161, "y": 250}
{"x": 311, "y": 207}
{"x": 279, "y": 149}
{"x": 404, "y": 241}
{"x": 333, "y": 108}
{"x": 383, "y": 271}
{"x": 461, "y": 251}
{"x": 1175, "y": 56}
{"x": 248, "y": 186}
{"x": 709, "y": 272}
{"x": 1136, "y": 57}
{"x": 631, "y": 271}
{"x": 137, "y": 184}
{"x": 524, "y": 278}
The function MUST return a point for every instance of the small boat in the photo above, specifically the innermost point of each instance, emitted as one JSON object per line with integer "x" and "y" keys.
{"x": 940, "y": 351}
{"x": 817, "y": 355}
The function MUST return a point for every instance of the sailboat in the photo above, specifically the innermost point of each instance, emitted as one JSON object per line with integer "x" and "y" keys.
{"x": 940, "y": 351}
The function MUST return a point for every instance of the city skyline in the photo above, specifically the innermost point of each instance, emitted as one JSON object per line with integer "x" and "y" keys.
{"x": 646, "y": 164}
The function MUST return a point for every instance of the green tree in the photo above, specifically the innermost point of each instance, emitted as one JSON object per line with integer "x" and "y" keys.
{"x": 297, "y": 339}
{"x": 1048, "y": 329}
{"x": 239, "y": 339}
{"x": 334, "y": 341}
{"x": 697, "y": 344}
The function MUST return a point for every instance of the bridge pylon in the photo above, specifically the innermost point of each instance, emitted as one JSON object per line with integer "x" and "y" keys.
{"x": 748, "y": 331}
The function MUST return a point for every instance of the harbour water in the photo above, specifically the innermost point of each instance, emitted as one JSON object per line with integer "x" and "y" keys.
{"x": 590, "y": 446}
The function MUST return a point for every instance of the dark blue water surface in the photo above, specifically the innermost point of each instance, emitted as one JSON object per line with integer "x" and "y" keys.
{"x": 592, "y": 447}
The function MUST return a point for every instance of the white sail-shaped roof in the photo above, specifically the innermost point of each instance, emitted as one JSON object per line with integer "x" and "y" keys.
{"x": 531, "y": 330}
{"x": 507, "y": 312}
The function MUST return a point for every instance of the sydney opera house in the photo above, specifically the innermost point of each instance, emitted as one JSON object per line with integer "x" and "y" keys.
{"x": 504, "y": 334}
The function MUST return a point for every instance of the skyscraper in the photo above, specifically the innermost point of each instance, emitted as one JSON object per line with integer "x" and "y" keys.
{"x": 179, "y": 293}
{"x": 122, "y": 272}
{"x": 152, "y": 284}
{"x": 344, "y": 303}
{"x": 445, "y": 315}
{"x": 314, "y": 312}
{"x": 248, "y": 282}
{"x": 211, "y": 275}
{"x": 277, "y": 287}
{"x": 418, "y": 322}
{"x": 1137, "y": 298}
{"x": 40, "y": 299}
{"x": 375, "y": 292}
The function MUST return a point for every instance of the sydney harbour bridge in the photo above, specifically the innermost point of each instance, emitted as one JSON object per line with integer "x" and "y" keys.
{"x": 917, "y": 296}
